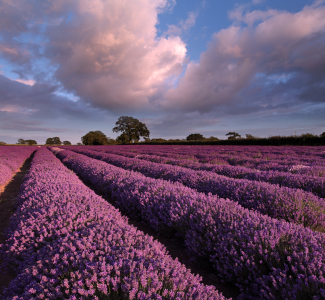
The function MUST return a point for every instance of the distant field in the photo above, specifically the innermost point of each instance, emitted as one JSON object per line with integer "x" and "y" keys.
{"x": 251, "y": 219}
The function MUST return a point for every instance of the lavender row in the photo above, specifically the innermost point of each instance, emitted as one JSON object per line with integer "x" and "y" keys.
{"x": 310, "y": 166}
{"x": 260, "y": 151}
{"x": 292, "y": 205}
{"x": 297, "y": 181}
{"x": 66, "y": 242}
{"x": 278, "y": 153}
{"x": 243, "y": 156}
{"x": 315, "y": 185}
{"x": 11, "y": 158}
{"x": 265, "y": 257}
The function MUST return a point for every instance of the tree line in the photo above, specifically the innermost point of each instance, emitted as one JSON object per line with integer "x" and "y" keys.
{"x": 131, "y": 130}
{"x": 50, "y": 141}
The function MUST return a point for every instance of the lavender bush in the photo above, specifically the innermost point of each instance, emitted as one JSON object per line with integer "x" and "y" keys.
{"x": 292, "y": 205}
{"x": 267, "y": 258}
{"x": 297, "y": 160}
{"x": 11, "y": 158}
{"x": 297, "y": 178}
{"x": 66, "y": 242}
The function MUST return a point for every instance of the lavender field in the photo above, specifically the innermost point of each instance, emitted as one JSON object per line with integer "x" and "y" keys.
{"x": 255, "y": 215}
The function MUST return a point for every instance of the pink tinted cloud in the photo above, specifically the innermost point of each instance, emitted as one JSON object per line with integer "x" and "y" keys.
{"x": 272, "y": 43}
{"x": 109, "y": 53}
{"x": 106, "y": 52}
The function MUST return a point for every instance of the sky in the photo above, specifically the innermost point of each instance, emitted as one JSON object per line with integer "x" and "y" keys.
{"x": 68, "y": 67}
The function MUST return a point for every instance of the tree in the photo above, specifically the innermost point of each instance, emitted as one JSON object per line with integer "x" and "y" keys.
{"x": 26, "y": 142}
{"x": 66, "y": 143}
{"x": 30, "y": 142}
{"x": 213, "y": 138}
{"x": 322, "y": 135}
{"x": 249, "y": 136}
{"x": 2, "y": 143}
{"x": 79, "y": 144}
{"x": 233, "y": 135}
{"x": 158, "y": 140}
{"x": 53, "y": 141}
{"x": 122, "y": 138}
{"x": 49, "y": 141}
{"x": 132, "y": 129}
{"x": 308, "y": 135}
{"x": 195, "y": 137}
{"x": 111, "y": 141}
{"x": 21, "y": 142}
{"x": 95, "y": 138}
{"x": 57, "y": 141}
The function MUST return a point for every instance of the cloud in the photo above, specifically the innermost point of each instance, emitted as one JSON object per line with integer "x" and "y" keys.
{"x": 266, "y": 61}
{"x": 174, "y": 125}
{"x": 28, "y": 81}
{"x": 183, "y": 26}
{"x": 41, "y": 102}
{"x": 9, "y": 124}
{"x": 105, "y": 52}
{"x": 16, "y": 109}
{"x": 86, "y": 59}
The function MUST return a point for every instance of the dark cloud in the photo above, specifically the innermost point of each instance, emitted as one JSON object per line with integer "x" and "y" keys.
{"x": 9, "y": 124}
{"x": 40, "y": 101}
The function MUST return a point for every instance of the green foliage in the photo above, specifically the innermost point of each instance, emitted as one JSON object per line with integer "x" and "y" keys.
{"x": 233, "y": 135}
{"x": 30, "y": 142}
{"x": 158, "y": 140}
{"x": 270, "y": 141}
{"x": 131, "y": 130}
{"x": 53, "y": 141}
{"x": 111, "y": 141}
{"x": 26, "y": 142}
{"x": 21, "y": 142}
{"x": 122, "y": 138}
{"x": 2, "y": 143}
{"x": 66, "y": 143}
{"x": 308, "y": 135}
{"x": 212, "y": 138}
{"x": 249, "y": 136}
{"x": 95, "y": 138}
{"x": 79, "y": 144}
{"x": 195, "y": 137}
{"x": 49, "y": 141}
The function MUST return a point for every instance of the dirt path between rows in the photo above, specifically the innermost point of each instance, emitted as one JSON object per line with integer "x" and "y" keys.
{"x": 176, "y": 249}
{"x": 8, "y": 194}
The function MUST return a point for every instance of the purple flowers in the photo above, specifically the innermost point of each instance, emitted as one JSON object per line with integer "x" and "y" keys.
{"x": 292, "y": 205}
{"x": 66, "y": 242}
{"x": 267, "y": 258}
{"x": 11, "y": 158}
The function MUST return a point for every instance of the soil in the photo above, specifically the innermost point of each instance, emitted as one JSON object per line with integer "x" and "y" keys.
{"x": 8, "y": 194}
